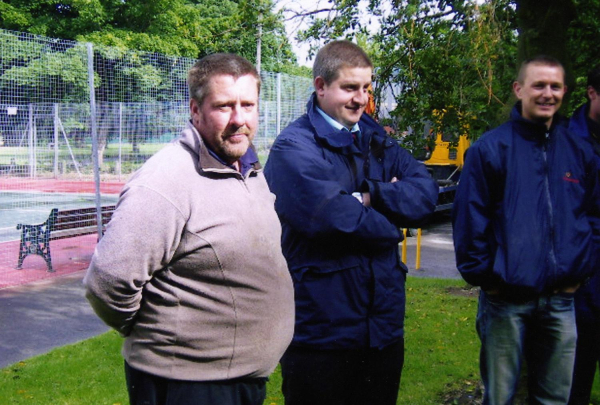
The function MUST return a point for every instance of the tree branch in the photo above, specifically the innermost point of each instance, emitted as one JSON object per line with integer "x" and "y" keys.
{"x": 309, "y": 13}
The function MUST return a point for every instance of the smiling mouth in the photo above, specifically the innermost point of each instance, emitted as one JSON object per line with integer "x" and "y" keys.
{"x": 354, "y": 108}
{"x": 237, "y": 136}
{"x": 243, "y": 130}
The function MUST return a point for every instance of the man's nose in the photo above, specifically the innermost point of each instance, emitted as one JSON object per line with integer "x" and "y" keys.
{"x": 547, "y": 92}
{"x": 237, "y": 116}
{"x": 361, "y": 97}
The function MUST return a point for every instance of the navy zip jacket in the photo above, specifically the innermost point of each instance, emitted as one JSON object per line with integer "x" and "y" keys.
{"x": 526, "y": 209}
{"x": 587, "y": 298}
{"x": 343, "y": 256}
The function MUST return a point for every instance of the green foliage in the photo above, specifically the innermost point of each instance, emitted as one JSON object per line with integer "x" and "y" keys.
{"x": 65, "y": 69}
{"x": 457, "y": 56}
{"x": 583, "y": 41}
{"x": 439, "y": 55}
{"x": 190, "y": 28}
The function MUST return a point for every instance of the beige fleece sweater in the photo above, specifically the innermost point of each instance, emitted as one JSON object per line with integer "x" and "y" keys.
{"x": 191, "y": 271}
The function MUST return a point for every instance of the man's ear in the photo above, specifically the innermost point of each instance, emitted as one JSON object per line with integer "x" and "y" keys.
{"x": 517, "y": 89}
{"x": 194, "y": 111}
{"x": 319, "y": 84}
{"x": 193, "y": 106}
{"x": 592, "y": 93}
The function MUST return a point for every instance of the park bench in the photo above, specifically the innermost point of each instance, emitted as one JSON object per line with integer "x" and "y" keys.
{"x": 35, "y": 239}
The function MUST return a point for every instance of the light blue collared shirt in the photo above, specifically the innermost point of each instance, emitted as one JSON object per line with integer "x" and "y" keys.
{"x": 336, "y": 124}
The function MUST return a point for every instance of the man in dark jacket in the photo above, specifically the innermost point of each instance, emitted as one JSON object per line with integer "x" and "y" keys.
{"x": 585, "y": 122}
{"x": 344, "y": 188}
{"x": 524, "y": 219}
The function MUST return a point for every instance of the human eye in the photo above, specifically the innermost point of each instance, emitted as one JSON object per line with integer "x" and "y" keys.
{"x": 248, "y": 106}
{"x": 223, "y": 107}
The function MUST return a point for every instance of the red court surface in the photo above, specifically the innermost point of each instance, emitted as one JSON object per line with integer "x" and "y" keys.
{"x": 68, "y": 256}
{"x": 58, "y": 186}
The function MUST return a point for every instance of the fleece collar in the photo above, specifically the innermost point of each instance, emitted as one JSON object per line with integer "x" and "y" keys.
{"x": 209, "y": 161}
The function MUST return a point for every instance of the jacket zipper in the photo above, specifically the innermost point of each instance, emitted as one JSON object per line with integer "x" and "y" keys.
{"x": 367, "y": 165}
{"x": 552, "y": 253}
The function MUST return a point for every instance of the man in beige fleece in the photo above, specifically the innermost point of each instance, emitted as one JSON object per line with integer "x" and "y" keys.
{"x": 190, "y": 269}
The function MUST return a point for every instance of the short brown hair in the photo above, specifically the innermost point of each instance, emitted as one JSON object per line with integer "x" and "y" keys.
{"x": 543, "y": 60}
{"x": 594, "y": 78}
{"x": 337, "y": 55}
{"x": 217, "y": 64}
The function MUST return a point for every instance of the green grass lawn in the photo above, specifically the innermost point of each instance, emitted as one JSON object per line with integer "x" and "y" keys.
{"x": 442, "y": 352}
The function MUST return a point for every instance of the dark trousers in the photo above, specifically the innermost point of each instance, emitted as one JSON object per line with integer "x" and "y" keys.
{"x": 587, "y": 356}
{"x": 342, "y": 377}
{"x": 148, "y": 389}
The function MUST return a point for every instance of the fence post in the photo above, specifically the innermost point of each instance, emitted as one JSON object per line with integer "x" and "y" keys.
{"x": 56, "y": 156}
{"x": 418, "y": 261}
{"x": 119, "y": 162}
{"x": 94, "y": 128}
{"x": 278, "y": 127}
{"x": 404, "y": 244}
{"x": 418, "y": 250}
{"x": 265, "y": 108}
{"x": 31, "y": 143}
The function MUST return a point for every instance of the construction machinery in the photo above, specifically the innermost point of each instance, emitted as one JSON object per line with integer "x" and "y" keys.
{"x": 445, "y": 164}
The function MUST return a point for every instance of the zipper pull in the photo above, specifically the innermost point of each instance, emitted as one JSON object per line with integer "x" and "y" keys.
{"x": 546, "y": 140}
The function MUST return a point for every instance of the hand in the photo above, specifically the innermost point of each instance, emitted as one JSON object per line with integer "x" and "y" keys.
{"x": 366, "y": 199}
{"x": 569, "y": 289}
{"x": 367, "y": 196}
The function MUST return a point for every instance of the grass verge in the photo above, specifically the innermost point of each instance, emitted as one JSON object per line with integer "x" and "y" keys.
{"x": 441, "y": 364}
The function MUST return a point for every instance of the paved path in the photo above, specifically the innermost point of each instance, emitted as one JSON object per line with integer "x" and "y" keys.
{"x": 39, "y": 316}
{"x": 437, "y": 251}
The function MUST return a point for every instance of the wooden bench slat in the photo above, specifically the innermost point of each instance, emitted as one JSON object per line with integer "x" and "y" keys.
{"x": 69, "y": 233}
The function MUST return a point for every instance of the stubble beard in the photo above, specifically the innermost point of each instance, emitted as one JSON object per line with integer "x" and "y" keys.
{"x": 232, "y": 150}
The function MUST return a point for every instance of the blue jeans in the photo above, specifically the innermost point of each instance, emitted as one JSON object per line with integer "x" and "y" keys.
{"x": 542, "y": 331}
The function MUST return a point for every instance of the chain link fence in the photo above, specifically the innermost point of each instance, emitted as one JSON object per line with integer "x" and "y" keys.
{"x": 76, "y": 120}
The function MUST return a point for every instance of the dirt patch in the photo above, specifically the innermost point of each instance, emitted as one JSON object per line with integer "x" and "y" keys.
{"x": 465, "y": 291}
{"x": 470, "y": 392}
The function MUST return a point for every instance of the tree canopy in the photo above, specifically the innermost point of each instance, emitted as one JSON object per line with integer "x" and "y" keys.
{"x": 190, "y": 28}
{"x": 451, "y": 63}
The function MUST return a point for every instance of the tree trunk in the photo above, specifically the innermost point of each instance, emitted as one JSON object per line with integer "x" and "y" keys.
{"x": 543, "y": 29}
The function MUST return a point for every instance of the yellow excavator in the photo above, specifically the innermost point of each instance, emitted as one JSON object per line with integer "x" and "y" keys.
{"x": 445, "y": 164}
{"x": 445, "y": 161}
